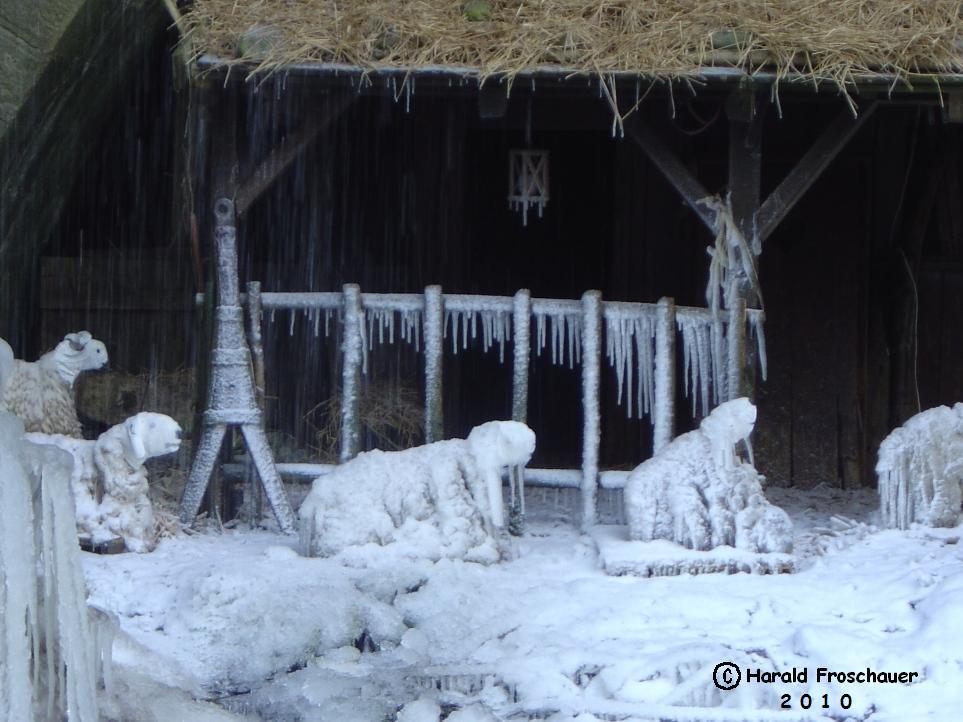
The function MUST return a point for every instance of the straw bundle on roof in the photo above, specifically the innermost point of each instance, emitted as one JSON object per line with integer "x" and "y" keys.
{"x": 822, "y": 39}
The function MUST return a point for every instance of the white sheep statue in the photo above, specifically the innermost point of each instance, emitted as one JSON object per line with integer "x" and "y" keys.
{"x": 441, "y": 500}
{"x": 920, "y": 470}
{"x": 109, "y": 479}
{"x": 698, "y": 493}
{"x": 40, "y": 393}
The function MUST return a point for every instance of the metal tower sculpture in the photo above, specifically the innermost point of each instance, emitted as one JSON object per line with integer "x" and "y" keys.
{"x": 231, "y": 398}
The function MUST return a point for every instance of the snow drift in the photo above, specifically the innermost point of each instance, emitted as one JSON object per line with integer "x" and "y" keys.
{"x": 697, "y": 492}
{"x": 920, "y": 470}
{"x": 439, "y": 500}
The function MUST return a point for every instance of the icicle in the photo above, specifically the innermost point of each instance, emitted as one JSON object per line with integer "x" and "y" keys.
{"x": 291, "y": 323}
{"x": 757, "y": 327}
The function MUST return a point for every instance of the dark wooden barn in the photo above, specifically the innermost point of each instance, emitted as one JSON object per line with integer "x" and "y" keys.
{"x": 396, "y": 178}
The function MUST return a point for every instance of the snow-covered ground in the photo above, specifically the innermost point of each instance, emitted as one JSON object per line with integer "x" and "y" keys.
{"x": 240, "y": 617}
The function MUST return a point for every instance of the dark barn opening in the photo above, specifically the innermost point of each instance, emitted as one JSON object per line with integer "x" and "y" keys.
{"x": 395, "y": 194}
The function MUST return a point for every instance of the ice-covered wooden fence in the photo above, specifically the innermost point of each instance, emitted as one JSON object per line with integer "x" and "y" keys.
{"x": 640, "y": 341}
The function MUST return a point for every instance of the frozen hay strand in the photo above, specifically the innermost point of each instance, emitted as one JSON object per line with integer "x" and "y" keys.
{"x": 441, "y": 500}
{"x": 50, "y": 664}
{"x": 698, "y": 494}
{"x": 920, "y": 470}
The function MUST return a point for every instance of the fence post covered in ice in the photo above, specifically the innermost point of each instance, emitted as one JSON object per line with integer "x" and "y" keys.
{"x": 434, "y": 337}
{"x": 663, "y": 411}
{"x": 522, "y": 332}
{"x": 522, "y": 335}
{"x": 591, "y": 431}
{"x": 736, "y": 360}
{"x": 351, "y": 372}
{"x": 255, "y": 317}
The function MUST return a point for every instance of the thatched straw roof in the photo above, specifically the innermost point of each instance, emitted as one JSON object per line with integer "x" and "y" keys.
{"x": 835, "y": 40}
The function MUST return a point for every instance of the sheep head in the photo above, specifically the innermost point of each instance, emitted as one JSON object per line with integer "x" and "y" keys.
{"x": 78, "y": 352}
{"x": 150, "y": 434}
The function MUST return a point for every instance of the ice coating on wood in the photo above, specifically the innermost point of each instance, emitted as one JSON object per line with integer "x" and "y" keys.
{"x": 920, "y": 470}
{"x": 438, "y": 500}
{"x": 49, "y": 660}
{"x": 591, "y": 417}
{"x": 697, "y": 493}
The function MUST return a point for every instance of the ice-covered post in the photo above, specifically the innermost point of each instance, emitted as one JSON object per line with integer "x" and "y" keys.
{"x": 591, "y": 432}
{"x": 522, "y": 334}
{"x": 736, "y": 360}
{"x": 521, "y": 331}
{"x": 664, "y": 410}
{"x": 434, "y": 335}
{"x": 351, "y": 372}
{"x": 255, "y": 316}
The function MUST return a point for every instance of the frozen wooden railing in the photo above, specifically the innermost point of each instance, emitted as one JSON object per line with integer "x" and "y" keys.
{"x": 640, "y": 344}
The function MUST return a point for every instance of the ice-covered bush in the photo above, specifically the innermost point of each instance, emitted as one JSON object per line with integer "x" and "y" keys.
{"x": 920, "y": 470}
{"x": 698, "y": 493}
{"x": 433, "y": 501}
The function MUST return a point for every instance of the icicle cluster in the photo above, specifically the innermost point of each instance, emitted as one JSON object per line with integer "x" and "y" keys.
{"x": 630, "y": 349}
{"x": 565, "y": 330}
{"x": 496, "y": 327}
{"x": 703, "y": 363}
{"x": 49, "y": 661}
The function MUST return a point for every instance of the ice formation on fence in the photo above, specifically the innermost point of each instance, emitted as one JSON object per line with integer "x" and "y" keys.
{"x": 109, "y": 481}
{"x": 439, "y": 500}
{"x": 920, "y": 470}
{"x": 49, "y": 659}
{"x": 556, "y": 324}
{"x": 697, "y": 492}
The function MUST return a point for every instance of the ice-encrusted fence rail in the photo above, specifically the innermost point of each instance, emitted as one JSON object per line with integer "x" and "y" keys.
{"x": 639, "y": 344}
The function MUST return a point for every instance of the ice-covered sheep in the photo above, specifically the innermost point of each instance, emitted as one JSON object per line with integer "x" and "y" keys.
{"x": 439, "y": 500}
{"x": 109, "y": 479}
{"x": 920, "y": 470}
{"x": 698, "y": 493}
{"x": 40, "y": 393}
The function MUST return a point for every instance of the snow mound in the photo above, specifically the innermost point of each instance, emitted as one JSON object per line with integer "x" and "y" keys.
{"x": 441, "y": 500}
{"x": 920, "y": 470}
{"x": 697, "y": 493}
{"x": 246, "y": 622}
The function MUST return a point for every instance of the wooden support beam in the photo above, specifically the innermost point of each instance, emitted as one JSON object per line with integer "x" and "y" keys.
{"x": 283, "y": 155}
{"x": 746, "y": 112}
{"x": 663, "y": 427}
{"x": 809, "y": 168}
{"x": 688, "y": 186}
